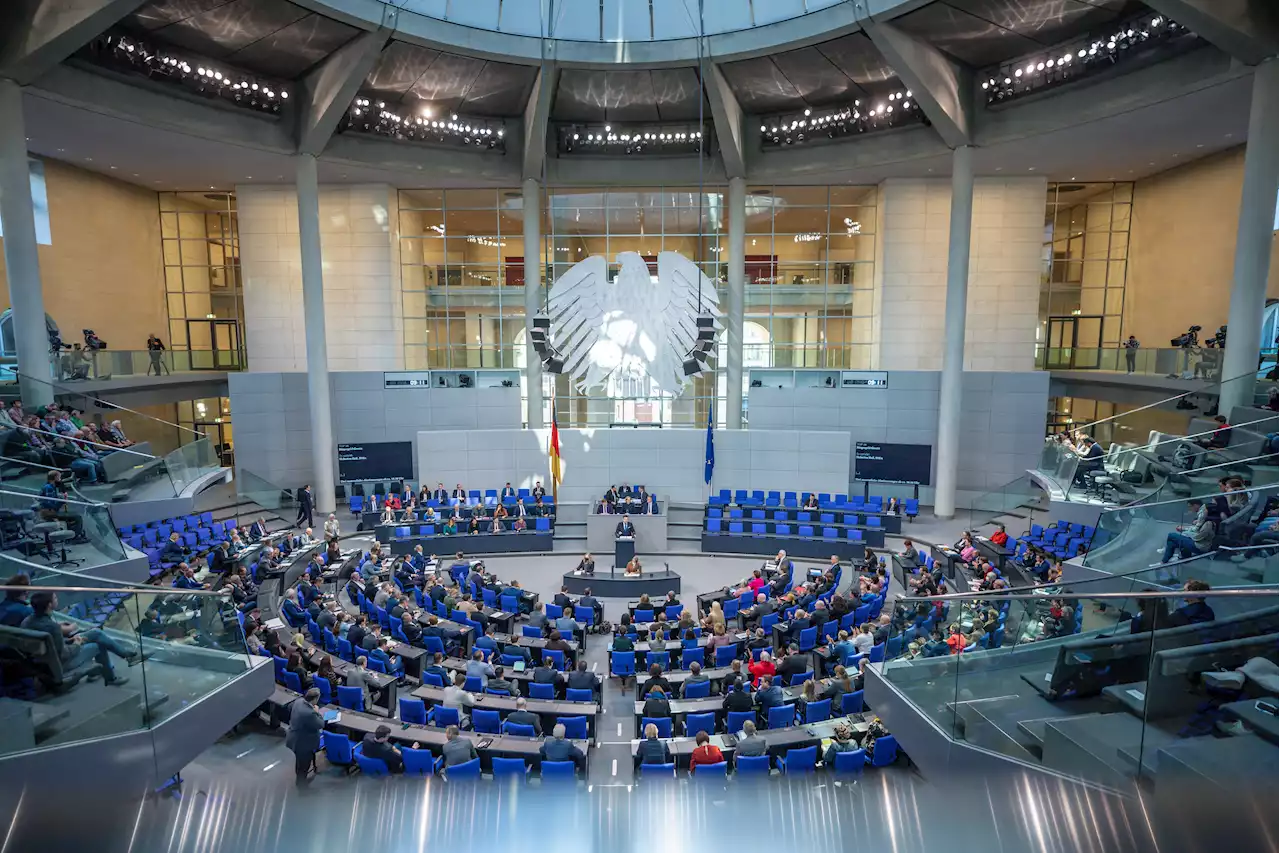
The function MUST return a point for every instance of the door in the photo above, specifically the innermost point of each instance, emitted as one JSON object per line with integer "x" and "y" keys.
{"x": 218, "y": 440}
{"x": 1073, "y": 343}
{"x": 214, "y": 344}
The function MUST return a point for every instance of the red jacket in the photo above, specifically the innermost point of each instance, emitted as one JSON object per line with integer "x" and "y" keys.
{"x": 759, "y": 668}
{"x": 705, "y": 754}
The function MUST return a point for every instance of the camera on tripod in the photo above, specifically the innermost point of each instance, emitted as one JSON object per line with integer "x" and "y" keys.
{"x": 92, "y": 342}
{"x": 1219, "y": 339}
{"x": 55, "y": 342}
{"x": 1188, "y": 339}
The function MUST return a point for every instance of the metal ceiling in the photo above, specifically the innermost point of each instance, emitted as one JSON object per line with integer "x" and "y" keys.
{"x": 274, "y": 38}
{"x": 655, "y": 95}
{"x": 982, "y": 33}
{"x": 410, "y": 74}
{"x": 835, "y": 71}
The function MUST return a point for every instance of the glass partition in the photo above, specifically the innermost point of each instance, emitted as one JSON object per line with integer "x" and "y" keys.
{"x": 1020, "y": 497}
{"x": 267, "y": 495}
{"x": 126, "y": 657}
{"x": 56, "y": 532}
{"x": 81, "y": 365}
{"x": 1092, "y": 685}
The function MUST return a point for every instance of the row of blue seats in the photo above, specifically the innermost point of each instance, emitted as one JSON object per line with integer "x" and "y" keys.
{"x": 801, "y": 516}
{"x": 358, "y": 503}
{"x": 1063, "y": 539}
{"x": 761, "y": 528}
{"x": 777, "y": 717}
{"x": 404, "y": 531}
{"x": 741, "y": 497}
{"x": 795, "y": 760}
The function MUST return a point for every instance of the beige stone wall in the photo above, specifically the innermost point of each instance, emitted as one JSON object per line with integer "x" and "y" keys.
{"x": 103, "y": 270}
{"x": 1182, "y": 248}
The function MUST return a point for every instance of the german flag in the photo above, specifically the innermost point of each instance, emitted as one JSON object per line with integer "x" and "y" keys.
{"x": 553, "y": 452}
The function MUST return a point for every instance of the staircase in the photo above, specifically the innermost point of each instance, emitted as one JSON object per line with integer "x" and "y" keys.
{"x": 571, "y": 528}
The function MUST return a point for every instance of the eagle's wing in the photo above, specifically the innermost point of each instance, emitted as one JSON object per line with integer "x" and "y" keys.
{"x": 683, "y": 292}
{"x": 577, "y": 305}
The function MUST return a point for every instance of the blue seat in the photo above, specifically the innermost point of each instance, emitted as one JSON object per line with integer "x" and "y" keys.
{"x": 441, "y": 717}
{"x": 731, "y": 608}
{"x": 530, "y": 631}
{"x": 800, "y": 760}
{"x": 725, "y": 655}
{"x": 853, "y": 535}
{"x": 658, "y": 770}
{"x": 371, "y": 766}
{"x": 644, "y": 615}
{"x": 465, "y": 772}
{"x": 808, "y": 638}
{"x": 782, "y": 529}
{"x": 338, "y": 748}
{"x": 885, "y": 751}
{"x": 517, "y": 729}
{"x": 720, "y": 768}
{"x": 485, "y": 721}
{"x": 351, "y": 698}
{"x": 701, "y": 690}
{"x": 687, "y": 656}
{"x": 758, "y": 528}
{"x": 575, "y": 728}
{"x": 757, "y": 514}
{"x": 753, "y": 765}
{"x": 418, "y": 762}
{"x": 804, "y": 516}
{"x": 873, "y": 521}
{"x": 851, "y": 762}
{"x": 694, "y": 723}
{"x": 734, "y": 720}
{"x": 584, "y": 614}
{"x": 713, "y": 525}
{"x": 800, "y": 678}
{"x": 541, "y": 523}
{"x": 828, "y": 533}
{"x": 816, "y": 712}
{"x": 413, "y": 711}
{"x": 622, "y": 663}
{"x": 782, "y": 716}
{"x": 292, "y": 681}
{"x": 541, "y": 691}
{"x": 674, "y": 611}
{"x": 558, "y": 770}
{"x": 768, "y": 620}
{"x": 827, "y": 518}
{"x": 510, "y": 604}
{"x": 325, "y": 688}
{"x": 806, "y": 530}
{"x": 555, "y": 657}
{"x": 663, "y": 724}
{"x": 510, "y": 767}
{"x": 851, "y": 703}
{"x": 735, "y": 527}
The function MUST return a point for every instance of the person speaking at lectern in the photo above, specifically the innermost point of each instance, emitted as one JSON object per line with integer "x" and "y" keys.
{"x": 624, "y": 528}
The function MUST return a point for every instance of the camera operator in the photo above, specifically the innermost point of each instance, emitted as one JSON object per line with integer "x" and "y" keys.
{"x": 155, "y": 349}
{"x": 1131, "y": 354}
{"x": 93, "y": 345}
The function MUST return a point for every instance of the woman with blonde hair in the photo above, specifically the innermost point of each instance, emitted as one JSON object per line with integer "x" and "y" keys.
{"x": 717, "y": 617}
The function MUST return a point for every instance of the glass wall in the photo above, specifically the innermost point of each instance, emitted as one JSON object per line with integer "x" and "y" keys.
{"x": 810, "y": 264}
{"x": 1086, "y": 254}
{"x": 202, "y": 278}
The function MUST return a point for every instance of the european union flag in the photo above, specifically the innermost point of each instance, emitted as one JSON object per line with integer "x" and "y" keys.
{"x": 711, "y": 444}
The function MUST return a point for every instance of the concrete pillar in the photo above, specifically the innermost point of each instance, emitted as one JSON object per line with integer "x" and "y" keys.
{"x": 532, "y": 206}
{"x": 1253, "y": 242}
{"x": 949, "y": 397}
{"x": 736, "y": 301}
{"x": 322, "y": 446}
{"x": 21, "y": 259}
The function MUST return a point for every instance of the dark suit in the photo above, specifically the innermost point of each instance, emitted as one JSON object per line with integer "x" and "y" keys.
{"x": 657, "y": 706}
{"x": 508, "y": 492}
{"x": 384, "y": 752}
{"x": 624, "y": 529}
{"x": 790, "y": 665}
{"x": 582, "y": 680}
{"x": 545, "y": 675}
{"x": 653, "y": 751}
{"x": 305, "y": 725}
{"x": 257, "y": 530}
{"x": 441, "y": 495}
{"x": 305, "y": 507}
{"x": 738, "y": 700}
{"x": 526, "y": 718}
{"x": 770, "y": 698}
{"x": 561, "y": 750}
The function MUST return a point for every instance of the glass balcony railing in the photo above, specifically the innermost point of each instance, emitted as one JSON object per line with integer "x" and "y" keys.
{"x": 80, "y": 365}
{"x": 1199, "y": 363}
{"x": 267, "y": 495}
{"x": 124, "y": 658}
{"x": 43, "y": 532}
{"x": 1018, "y": 497}
{"x": 1082, "y": 685}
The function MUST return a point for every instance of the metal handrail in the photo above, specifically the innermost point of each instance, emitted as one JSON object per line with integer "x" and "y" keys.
{"x": 109, "y": 447}
{"x": 30, "y": 496}
{"x": 63, "y": 389}
{"x": 1143, "y": 501}
{"x": 1230, "y": 592}
{"x": 1205, "y": 389}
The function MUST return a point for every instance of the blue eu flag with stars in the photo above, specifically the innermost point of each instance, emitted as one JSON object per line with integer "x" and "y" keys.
{"x": 711, "y": 444}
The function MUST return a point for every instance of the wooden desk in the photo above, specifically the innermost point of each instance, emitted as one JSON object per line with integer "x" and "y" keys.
{"x": 778, "y": 740}
{"x": 356, "y": 725}
{"x": 547, "y": 709}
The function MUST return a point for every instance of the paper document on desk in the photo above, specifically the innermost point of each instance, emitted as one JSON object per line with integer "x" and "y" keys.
{"x": 333, "y": 716}
{"x": 1137, "y": 694}
{"x": 274, "y": 624}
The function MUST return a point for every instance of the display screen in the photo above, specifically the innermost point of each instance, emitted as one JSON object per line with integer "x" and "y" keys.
{"x": 385, "y": 460}
{"x": 892, "y": 463}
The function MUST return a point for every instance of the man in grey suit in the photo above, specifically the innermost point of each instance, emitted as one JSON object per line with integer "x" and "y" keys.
{"x": 305, "y": 724}
{"x": 695, "y": 676}
{"x": 522, "y": 716}
{"x": 358, "y": 676}
{"x": 751, "y": 744}
{"x": 457, "y": 750}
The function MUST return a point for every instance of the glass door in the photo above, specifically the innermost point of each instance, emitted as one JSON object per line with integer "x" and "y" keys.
{"x": 1073, "y": 343}
{"x": 214, "y": 344}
